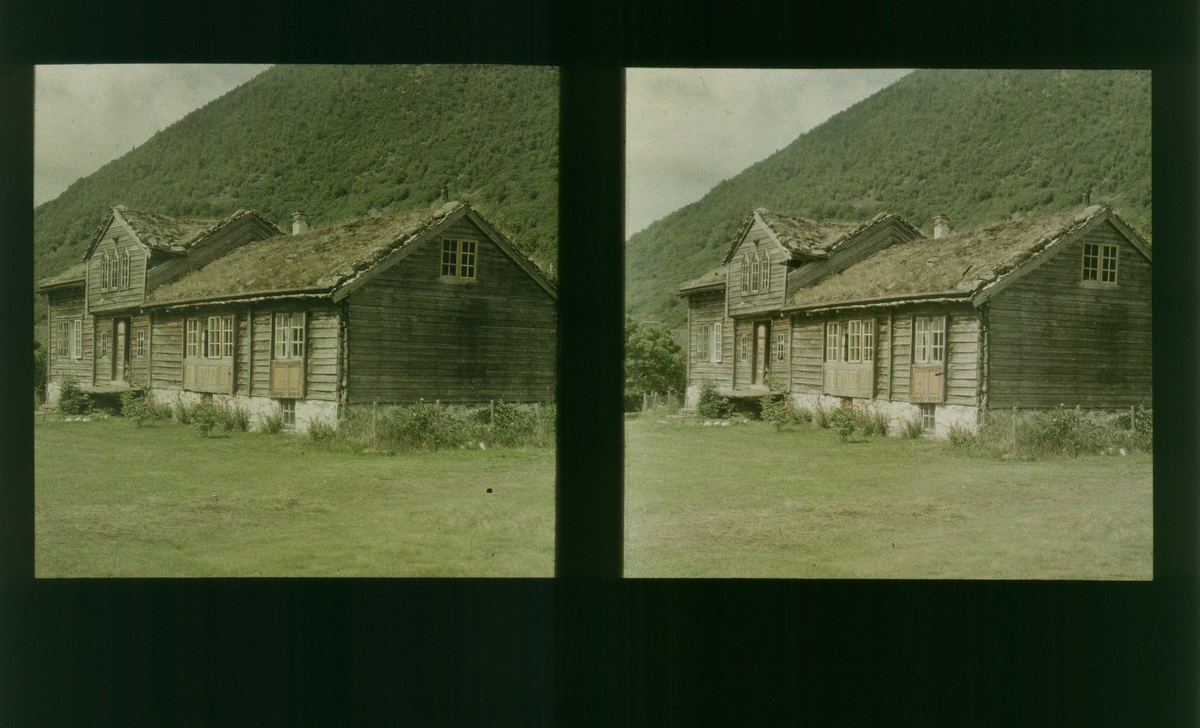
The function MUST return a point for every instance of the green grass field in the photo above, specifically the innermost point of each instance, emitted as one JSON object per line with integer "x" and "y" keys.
{"x": 113, "y": 500}
{"x": 748, "y": 501}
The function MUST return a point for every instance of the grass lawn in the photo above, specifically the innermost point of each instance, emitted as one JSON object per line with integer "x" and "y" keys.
{"x": 748, "y": 501}
{"x": 113, "y": 500}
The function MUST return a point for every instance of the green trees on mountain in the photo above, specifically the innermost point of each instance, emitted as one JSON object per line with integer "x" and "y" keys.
{"x": 979, "y": 146}
{"x": 337, "y": 142}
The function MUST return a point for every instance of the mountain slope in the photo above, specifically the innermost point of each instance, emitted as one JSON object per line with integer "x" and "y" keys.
{"x": 979, "y": 146}
{"x": 337, "y": 142}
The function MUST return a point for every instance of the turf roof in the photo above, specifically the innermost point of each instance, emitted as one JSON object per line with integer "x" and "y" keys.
{"x": 711, "y": 279}
{"x": 320, "y": 259}
{"x": 961, "y": 263}
{"x": 74, "y": 274}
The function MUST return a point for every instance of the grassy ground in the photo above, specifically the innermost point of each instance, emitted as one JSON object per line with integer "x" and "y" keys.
{"x": 748, "y": 501}
{"x": 113, "y": 500}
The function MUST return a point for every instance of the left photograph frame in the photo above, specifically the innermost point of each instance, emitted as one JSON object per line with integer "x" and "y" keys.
{"x": 309, "y": 328}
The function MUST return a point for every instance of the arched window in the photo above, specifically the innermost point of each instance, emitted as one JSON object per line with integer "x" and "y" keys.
{"x": 754, "y": 272}
{"x": 746, "y": 273}
{"x": 765, "y": 272}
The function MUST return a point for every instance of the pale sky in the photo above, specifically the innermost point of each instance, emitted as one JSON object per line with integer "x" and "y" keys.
{"x": 688, "y": 129}
{"x": 87, "y": 116}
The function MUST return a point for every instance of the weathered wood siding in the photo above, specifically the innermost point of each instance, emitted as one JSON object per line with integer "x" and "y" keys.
{"x": 743, "y": 302}
{"x": 901, "y": 354}
{"x": 743, "y": 371}
{"x": 139, "y": 366}
{"x": 117, "y": 238}
{"x": 103, "y": 360}
{"x": 414, "y": 335}
{"x": 778, "y": 378}
{"x": 261, "y": 356}
{"x": 164, "y": 269}
{"x": 808, "y": 340}
{"x": 322, "y": 355}
{"x": 1056, "y": 340}
{"x": 166, "y": 351}
{"x": 962, "y": 364}
{"x": 883, "y": 355}
{"x": 68, "y": 306}
{"x": 852, "y": 251}
{"x": 709, "y": 309}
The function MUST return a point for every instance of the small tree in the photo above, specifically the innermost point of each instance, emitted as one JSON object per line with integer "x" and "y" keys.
{"x": 653, "y": 362}
{"x": 39, "y": 371}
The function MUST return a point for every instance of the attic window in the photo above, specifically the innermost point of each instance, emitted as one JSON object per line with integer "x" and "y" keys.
{"x": 458, "y": 258}
{"x": 1100, "y": 263}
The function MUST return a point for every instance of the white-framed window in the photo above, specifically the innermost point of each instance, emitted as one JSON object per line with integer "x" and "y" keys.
{"x": 289, "y": 335}
{"x": 860, "y": 340}
{"x": 104, "y": 271}
{"x": 139, "y": 346}
{"x": 192, "y": 338}
{"x": 929, "y": 339}
{"x": 218, "y": 337}
{"x": 287, "y": 412}
{"x": 1100, "y": 262}
{"x": 227, "y": 329}
{"x": 928, "y": 417}
{"x": 746, "y": 273}
{"x": 703, "y": 334}
{"x": 780, "y": 345}
{"x": 764, "y": 272}
{"x": 717, "y": 330}
{"x": 103, "y": 347}
{"x": 62, "y": 339}
{"x": 458, "y": 258}
{"x": 77, "y": 339}
{"x": 833, "y": 340}
{"x": 744, "y": 347}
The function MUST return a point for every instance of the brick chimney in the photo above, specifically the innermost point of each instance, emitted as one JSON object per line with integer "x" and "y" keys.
{"x": 941, "y": 226}
{"x": 299, "y": 223}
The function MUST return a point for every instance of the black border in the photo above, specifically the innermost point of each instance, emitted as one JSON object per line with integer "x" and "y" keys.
{"x": 588, "y": 648}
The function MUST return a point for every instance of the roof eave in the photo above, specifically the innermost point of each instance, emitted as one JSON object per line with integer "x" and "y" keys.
{"x": 60, "y": 285}
{"x": 881, "y": 301}
{"x": 685, "y": 291}
{"x": 306, "y": 292}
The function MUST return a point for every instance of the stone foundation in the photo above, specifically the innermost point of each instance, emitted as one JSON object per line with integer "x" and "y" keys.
{"x": 945, "y": 417}
{"x": 307, "y": 410}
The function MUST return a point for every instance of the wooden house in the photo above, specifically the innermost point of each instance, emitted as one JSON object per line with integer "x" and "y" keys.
{"x": 1032, "y": 313}
{"x": 427, "y": 304}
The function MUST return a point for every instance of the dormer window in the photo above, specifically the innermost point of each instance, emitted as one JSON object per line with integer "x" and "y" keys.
{"x": 754, "y": 273}
{"x": 125, "y": 268}
{"x": 458, "y": 258}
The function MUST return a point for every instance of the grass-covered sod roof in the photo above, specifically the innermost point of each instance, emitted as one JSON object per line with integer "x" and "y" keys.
{"x": 321, "y": 258}
{"x": 960, "y": 264}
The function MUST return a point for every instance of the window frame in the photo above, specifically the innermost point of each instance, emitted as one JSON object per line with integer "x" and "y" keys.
{"x": 754, "y": 274}
{"x": 717, "y": 349}
{"x": 745, "y": 273}
{"x": 703, "y": 343}
{"x": 287, "y": 412}
{"x": 780, "y": 345}
{"x": 102, "y": 348}
{"x": 1109, "y": 275}
{"x": 833, "y": 341}
{"x": 744, "y": 347}
{"x": 459, "y": 259}
{"x": 139, "y": 344}
{"x": 291, "y": 344}
{"x": 764, "y": 272}
{"x": 928, "y": 414}
{"x": 124, "y": 269}
{"x": 191, "y": 338}
{"x": 930, "y": 348}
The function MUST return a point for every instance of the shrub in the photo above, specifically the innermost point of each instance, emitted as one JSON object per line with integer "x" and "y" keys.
{"x": 845, "y": 420}
{"x": 72, "y": 400}
{"x": 271, "y": 424}
{"x": 777, "y": 411}
{"x": 912, "y": 428}
{"x": 1057, "y": 432}
{"x": 960, "y": 435}
{"x": 322, "y": 431}
{"x": 183, "y": 413}
{"x": 39, "y": 372}
{"x": 135, "y": 407}
{"x": 711, "y": 406}
{"x": 232, "y": 417}
{"x": 821, "y": 416}
{"x": 205, "y": 417}
{"x": 875, "y": 422}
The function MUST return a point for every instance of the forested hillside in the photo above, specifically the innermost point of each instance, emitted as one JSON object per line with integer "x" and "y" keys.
{"x": 979, "y": 146}
{"x": 337, "y": 142}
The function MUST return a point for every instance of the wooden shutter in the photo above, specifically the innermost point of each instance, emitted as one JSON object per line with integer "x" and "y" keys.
{"x": 930, "y": 352}
{"x": 287, "y": 366}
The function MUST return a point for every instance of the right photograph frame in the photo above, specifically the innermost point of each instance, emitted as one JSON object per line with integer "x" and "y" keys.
{"x": 889, "y": 324}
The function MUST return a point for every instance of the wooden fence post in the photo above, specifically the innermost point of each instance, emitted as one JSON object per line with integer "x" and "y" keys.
{"x": 537, "y": 414}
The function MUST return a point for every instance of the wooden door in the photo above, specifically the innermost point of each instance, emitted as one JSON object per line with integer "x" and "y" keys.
{"x": 760, "y": 353}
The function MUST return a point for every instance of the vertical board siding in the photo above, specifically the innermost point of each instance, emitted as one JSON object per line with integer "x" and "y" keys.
{"x": 116, "y": 238}
{"x": 68, "y": 306}
{"x": 808, "y": 341}
{"x": 745, "y": 302}
{"x": 710, "y": 309}
{"x": 778, "y": 381}
{"x": 1055, "y": 340}
{"x": 413, "y": 335}
{"x": 166, "y": 342}
{"x": 263, "y": 331}
{"x": 241, "y": 352}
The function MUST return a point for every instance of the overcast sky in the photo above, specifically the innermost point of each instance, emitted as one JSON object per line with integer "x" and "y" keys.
{"x": 87, "y": 116}
{"x": 688, "y": 129}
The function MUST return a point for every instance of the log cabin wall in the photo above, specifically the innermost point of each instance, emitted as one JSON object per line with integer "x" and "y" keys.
{"x": 743, "y": 370}
{"x": 708, "y": 309}
{"x": 1054, "y": 339}
{"x": 807, "y": 354}
{"x": 166, "y": 351}
{"x": 413, "y": 334}
{"x": 67, "y": 306}
{"x": 117, "y": 239}
{"x": 139, "y": 359}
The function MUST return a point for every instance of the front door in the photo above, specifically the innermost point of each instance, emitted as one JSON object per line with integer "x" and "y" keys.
{"x": 760, "y": 353}
{"x": 121, "y": 351}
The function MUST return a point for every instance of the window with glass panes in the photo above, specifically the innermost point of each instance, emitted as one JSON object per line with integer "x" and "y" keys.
{"x": 929, "y": 339}
{"x": 139, "y": 349}
{"x": 192, "y": 338}
{"x": 77, "y": 340}
{"x": 289, "y": 335}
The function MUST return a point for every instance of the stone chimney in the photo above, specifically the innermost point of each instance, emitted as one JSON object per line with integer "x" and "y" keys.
{"x": 941, "y": 226}
{"x": 299, "y": 223}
